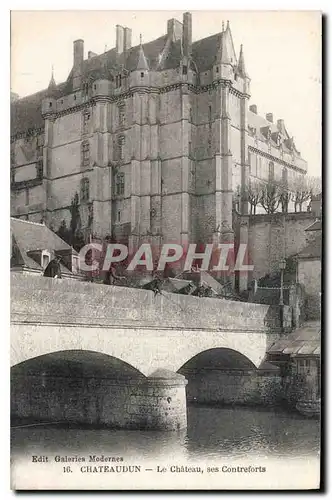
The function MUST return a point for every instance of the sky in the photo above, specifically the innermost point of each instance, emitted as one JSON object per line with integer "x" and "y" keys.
{"x": 282, "y": 52}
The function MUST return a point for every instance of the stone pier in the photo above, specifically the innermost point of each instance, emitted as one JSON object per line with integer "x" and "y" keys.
{"x": 157, "y": 402}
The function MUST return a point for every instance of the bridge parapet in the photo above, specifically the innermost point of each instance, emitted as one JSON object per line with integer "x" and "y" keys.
{"x": 45, "y": 300}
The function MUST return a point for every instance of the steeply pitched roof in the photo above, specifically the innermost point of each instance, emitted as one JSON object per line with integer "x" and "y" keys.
{"x": 32, "y": 236}
{"x": 25, "y": 113}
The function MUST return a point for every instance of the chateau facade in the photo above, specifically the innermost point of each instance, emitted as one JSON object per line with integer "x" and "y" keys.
{"x": 154, "y": 139}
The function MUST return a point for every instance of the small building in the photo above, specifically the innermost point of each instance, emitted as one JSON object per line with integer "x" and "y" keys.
{"x": 298, "y": 356}
{"x": 309, "y": 268}
{"x": 34, "y": 245}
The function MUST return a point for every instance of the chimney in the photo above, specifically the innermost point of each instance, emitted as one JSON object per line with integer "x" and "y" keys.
{"x": 174, "y": 29}
{"x": 187, "y": 34}
{"x": 127, "y": 39}
{"x": 119, "y": 39}
{"x": 269, "y": 117}
{"x": 78, "y": 62}
{"x": 280, "y": 125}
{"x": 253, "y": 108}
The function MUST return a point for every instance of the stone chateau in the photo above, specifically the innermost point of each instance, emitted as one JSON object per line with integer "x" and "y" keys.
{"x": 154, "y": 139}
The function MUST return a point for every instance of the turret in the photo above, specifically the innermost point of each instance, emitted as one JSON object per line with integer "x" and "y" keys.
{"x": 240, "y": 71}
{"x": 224, "y": 61}
{"x": 140, "y": 76}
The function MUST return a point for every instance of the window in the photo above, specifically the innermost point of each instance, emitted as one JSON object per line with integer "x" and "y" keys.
{"x": 284, "y": 176}
{"x": 95, "y": 87}
{"x": 50, "y": 104}
{"x": 217, "y": 69}
{"x": 121, "y": 141}
{"x": 118, "y": 81}
{"x": 259, "y": 167}
{"x": 119, "y": 184}
{"x": 210, "y": 113}
{"x": 271, "y": 171}
{"x": 40, "y": 145}
{"x": 142, "y": 74}
{"x": 190, "y": 115}
{"x": 184, "y": 70}
{"x": 45, "y": 259}
{"x": 303, "y": 366}
{"x": 27, "y": 200}
{"x": 86, "y": 88}
{"x": 121, "y": 110}
{"x": 86, "y": 121}
{"x": 85, "y": 189}
{"x": 190, "y": 148}
{"x": 85, "y": 153}
{"x": 119, "y": 216}
{"x": 253, "y": 164}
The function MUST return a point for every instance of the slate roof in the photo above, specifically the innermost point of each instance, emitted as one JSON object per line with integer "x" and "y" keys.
{"x": 303, "y": 341}
{"x": 313, "y": 250}
{"x": 34, "y": 236}
{"x": 25, "y": 113}
{"x": 31, "y": 236}
{"x": 316, "y": 226}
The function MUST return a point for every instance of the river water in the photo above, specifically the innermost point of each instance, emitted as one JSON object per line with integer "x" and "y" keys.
{"x": 213, "y": 435}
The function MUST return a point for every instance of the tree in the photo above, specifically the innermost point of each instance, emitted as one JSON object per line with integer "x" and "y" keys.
{"x": 270, "y": 196}
{"x": 75, "y": 221}
{"x": 303, "y": 189}
{"x": 285, "y": 197}
{"x": 254, "y": 193}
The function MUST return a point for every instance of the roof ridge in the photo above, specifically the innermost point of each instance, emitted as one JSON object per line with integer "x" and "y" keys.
{"x": 29, "y": 222}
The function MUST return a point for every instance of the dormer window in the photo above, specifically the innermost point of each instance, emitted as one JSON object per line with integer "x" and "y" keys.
{"x": 118, "y": 81}
{"x": 45, "y": 259}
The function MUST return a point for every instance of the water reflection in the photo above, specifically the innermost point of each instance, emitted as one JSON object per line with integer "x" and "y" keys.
{"x": 211, "y": 433}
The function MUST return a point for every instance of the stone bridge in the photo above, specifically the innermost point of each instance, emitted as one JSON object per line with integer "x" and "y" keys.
{"x": 132, "y": 341}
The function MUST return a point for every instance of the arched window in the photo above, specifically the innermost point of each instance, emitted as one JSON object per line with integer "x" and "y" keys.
{"x": 85, "y": 189}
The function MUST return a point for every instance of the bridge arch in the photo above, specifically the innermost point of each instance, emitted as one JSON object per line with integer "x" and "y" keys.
{"x": 222, "y": 376}
{"x": 74, "y": 362}
{"x": 218, "y": 358}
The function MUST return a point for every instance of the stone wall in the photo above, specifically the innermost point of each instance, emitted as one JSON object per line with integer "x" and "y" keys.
{"x": 228, "y": 387}
{"x": 309, "y": 275}
{"x": 158, "y": 404}
{"x": 271, "y": 235}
